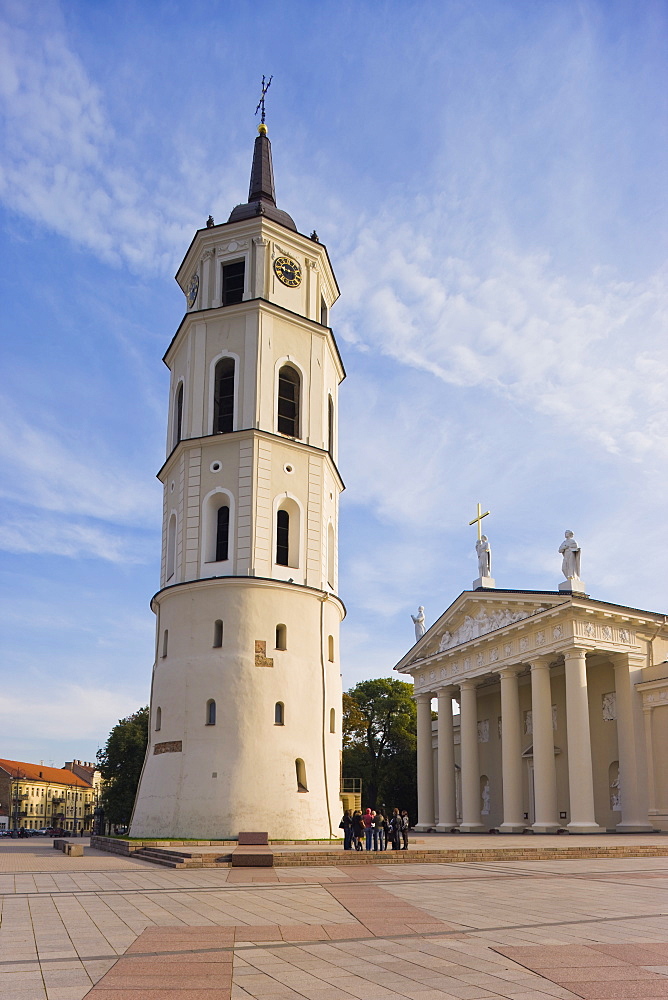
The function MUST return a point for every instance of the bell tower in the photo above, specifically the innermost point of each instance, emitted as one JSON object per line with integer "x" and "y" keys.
{"x": 245, "y": 724}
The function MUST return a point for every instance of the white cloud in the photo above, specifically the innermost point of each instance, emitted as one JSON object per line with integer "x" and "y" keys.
{"x": 589, "y": 353}
{"x": 63, "y": 163}
{"x": 43, "y": 470}
{"x": 53, "y": 536}
{"x": 67, "y": 709}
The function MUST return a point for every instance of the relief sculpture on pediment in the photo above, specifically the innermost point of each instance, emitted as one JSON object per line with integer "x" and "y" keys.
{"x": 485, "y": 621}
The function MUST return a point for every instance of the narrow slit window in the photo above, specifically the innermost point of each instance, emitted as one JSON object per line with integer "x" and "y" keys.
{"x": 300, "y": 768}
{"x": 165, "y": 641}
{"x": 279, "y": 714}
{"x": 332, "y": 720}
{"x": 211, "y": 712}
{"x": 233, "y": 282}
{"x": 288, "y": 401}
{"x": 330, "y": 425}
{"x": 171, "y": 547}
{"x": 178, "y": 415}
{"x": 217, "y": 633}
{"x": 281, "y": 637}
{"x": 223, "y": 397}
{"x": 282, "y": 537}
{"x": 222, "y": 533}
{"x": 330, "y": 648}
{"x": 158, "y": 719}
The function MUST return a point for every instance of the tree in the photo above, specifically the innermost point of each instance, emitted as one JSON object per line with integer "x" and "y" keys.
{"x": 120, "y": 764}
{"x": 380, "y": 742}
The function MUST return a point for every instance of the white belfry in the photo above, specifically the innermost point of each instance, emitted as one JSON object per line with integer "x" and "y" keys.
{"x": 245, "y": 724}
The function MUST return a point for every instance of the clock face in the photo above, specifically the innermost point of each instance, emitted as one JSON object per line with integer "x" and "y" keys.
{"x": 193, "y": 289}
{"x": 288, "y": 271}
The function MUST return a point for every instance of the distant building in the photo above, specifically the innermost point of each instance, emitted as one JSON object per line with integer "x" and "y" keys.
{"x": 35, "y": 796}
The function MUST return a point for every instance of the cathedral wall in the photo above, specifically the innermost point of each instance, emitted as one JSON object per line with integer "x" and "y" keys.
{"x": 604, "y": 749}
{"x": 660, "y": 758}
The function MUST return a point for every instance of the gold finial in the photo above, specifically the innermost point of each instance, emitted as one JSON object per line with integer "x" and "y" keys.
{"x": 262, "y": 129}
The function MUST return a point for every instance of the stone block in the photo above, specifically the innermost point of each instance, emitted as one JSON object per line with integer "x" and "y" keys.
{"x": 255, "y": 839}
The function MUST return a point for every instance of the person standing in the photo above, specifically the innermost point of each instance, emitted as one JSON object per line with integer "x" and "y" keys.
{"x": 378, "y": 831}
{"x": 405, "y": 826}
{"x": 358, "y": 829}
{"x": 346, "y": 825}
{"x": 368, "y": 828}
{"x": 395, "y": 823}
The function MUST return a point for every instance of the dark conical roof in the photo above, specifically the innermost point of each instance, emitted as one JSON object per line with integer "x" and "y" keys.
{"x": 261, "y": 193}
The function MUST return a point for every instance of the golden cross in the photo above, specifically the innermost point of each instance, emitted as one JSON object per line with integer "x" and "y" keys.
{"x": 477, "y": 520}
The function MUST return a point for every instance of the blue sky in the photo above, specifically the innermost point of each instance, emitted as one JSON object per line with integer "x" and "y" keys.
{"x": 490, "y": 180}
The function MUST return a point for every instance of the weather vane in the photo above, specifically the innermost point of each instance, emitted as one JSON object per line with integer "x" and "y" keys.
{"x": 265, "y": 88}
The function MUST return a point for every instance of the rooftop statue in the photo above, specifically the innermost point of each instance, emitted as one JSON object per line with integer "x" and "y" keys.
{"x": 570, "y": 551}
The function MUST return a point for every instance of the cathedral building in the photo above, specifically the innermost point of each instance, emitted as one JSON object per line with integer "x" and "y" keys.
{"x": 245, "y": 715}
{"x": 563, "y": 721}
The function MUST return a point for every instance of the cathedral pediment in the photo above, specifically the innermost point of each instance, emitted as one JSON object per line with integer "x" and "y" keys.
{"x": 474, "y": 615}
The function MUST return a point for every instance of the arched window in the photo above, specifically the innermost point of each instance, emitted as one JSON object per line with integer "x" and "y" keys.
{"x": 210, "y": 712}
{"x": 300, "y": 768}
{"x": 222, "y": 533}
{"x": 282, "y": 538}
{"x": 330, "y": 648}
{"x": 288, "y": 401}
{"x": 330, "y": 426}
{"x": 279, "y": 714}
{"x": 281, "y": 637}
{"x": 217, "y": 533}
{"x": 332, "y": 720}
{"x": 218, "y": 633}
{"x": 178, "y": 415}
{"x": 158, "y": 719}
{"x": 171, "y": 547}
{"x": 223, "y": 397}
{"x": 165, "y": 639}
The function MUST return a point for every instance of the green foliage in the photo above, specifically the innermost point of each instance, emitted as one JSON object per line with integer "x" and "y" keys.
{"x": 120, "y": 763}
{"x": 380, "y": 742}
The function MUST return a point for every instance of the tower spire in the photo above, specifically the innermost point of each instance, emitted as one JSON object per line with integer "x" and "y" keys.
{"x": 261, "y": 190}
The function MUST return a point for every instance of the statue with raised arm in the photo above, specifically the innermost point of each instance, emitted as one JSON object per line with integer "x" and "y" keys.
{"x": 484, "y": 550}
{"x": 418, "y": 621}
{"x": 570, "y": 551}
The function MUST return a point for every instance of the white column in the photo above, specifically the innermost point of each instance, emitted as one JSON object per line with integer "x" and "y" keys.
{"x": 544, "y": 770}
{"x": 511, "y": 752}
{"x": 447, "y": 802}
{"x": 649, "y": 756}
{"x": 470, "y": 774}
{"x": 580, "y": 772}
{"x": 632, "y": 773}
{"x": 425, "y": 765}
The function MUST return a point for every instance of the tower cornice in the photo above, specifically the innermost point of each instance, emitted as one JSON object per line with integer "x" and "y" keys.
{"x": 214, "y": 313}
{"x": 207, "y": 238}
{"x": 248, "y": 581}
{"x": 248, "y": 433}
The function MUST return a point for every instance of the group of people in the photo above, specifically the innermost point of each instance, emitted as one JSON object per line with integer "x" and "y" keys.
{"x": 373, "y": 831}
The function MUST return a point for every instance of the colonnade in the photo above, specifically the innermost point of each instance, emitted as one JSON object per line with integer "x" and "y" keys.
{"x": 580, "y": 770}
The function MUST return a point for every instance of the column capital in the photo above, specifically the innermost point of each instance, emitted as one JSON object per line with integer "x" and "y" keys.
{"x": 446, "y": 692}
{"x": 423, "y": 698}
{"x": 539, "y": 663}
{"x": 469, "y": 683}
{"x": 575, "y": 653}
{"x": 512, "y": 670}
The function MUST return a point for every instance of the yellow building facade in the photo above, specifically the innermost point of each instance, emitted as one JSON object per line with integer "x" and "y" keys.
{"x": 36, "y": 797}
